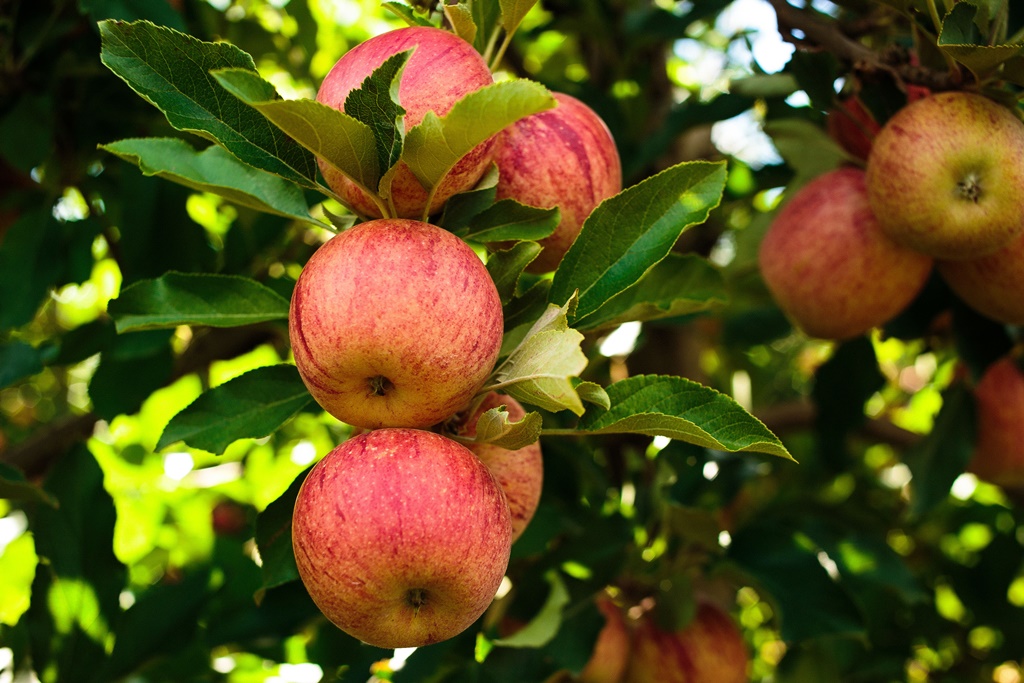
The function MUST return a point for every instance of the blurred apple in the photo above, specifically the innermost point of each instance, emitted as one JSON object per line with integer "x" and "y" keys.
{"x": 564, "y": 157}
{"x": 401, "y": 537}
{"x": 442, "y": 69}
{"x": 520, "y": 472}
{"x": 999, "y": 450}
{"x": 993, "y": 284}
{"x": 395, "y": 323}
{"x": 607, "y": 663}
{"x": 828, "y": 265}
{"x": 710, "y": 649}
{"x": 852, "y": 126}
{"x": 229, "y": 518}
{"x": 945, "y": 176}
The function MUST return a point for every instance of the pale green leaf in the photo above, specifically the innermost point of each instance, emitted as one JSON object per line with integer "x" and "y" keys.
{"x": 544, "y": 626}
{"x": 493, "y": 427}
{"x": 513, "y": 11}
{"x": 460, "y": 16}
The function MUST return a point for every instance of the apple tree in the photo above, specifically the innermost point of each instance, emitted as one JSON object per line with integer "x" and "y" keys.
{"x": 616, "y": 341}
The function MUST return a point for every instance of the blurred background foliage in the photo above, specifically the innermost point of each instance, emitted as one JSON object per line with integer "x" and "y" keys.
{"x": 874, "y": 559}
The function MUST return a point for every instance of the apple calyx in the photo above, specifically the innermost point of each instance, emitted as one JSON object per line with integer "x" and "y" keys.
{"x": 970, "y": 187}
{"x": 416, "y": 598}
{"x": 380, "y": 385}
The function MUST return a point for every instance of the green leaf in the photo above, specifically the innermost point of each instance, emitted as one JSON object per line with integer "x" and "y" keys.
{"x": 462, "y": 208}
{"x": 196, "y": 299}
{"x": 681, "y": 409}
{"x": 214, "y": 170}
{"x": 436, "y": 144}
{"x": 494, "y": 427}
{"x": 541, "y": 368}
{"x": 961, "y": 39}
{"x": 375, "y": 103}
{"x": 460, "y": 16}
{"x": 509, "y": 220}
{"x": 252, "y": 405}
{"x": 682, "y": 284}
{"x": 806, "y": 148}
{"x": 544, "y": 626}
{"x": 513, "y": 11}
{"x": 19, "y": 360}
{"x": 506, "y": 267}
{"x": 14, "y": 486}
{"x": 274, "y": 539}
{"x": 171, "y": 70}
{"x": 630, "y": 233}
{"x": 130, "y": 10}
{"x": 350, "y": 145}
{"x": 487, "y": 17}
{"x": 406, "y": 13}
{"x": 29, "y": 265}
{"x": 592, "y": 392}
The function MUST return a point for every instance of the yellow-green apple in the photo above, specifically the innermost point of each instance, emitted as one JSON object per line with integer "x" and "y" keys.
{"x": 999, "y": 449}
{"x": 564, "y": 157}
{"x": 829, "y": 266}
{"x": 710, "y": 649}
{"x": 607, "y": 663}
{"x": 992, "y": 284}
{"x": 944, "y": 176}
{"x": 442, "y": 69}
{"x": 520, "y": 472}
{"x": 401, "y": 537}
{"x": 394, "y": 323}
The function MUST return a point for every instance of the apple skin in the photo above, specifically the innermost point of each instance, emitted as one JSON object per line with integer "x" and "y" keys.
{"x": 999, "y": 450}
{"x": 993, "y": 284}
{"x": 828, "y": 265}
{"x": 607, "y": 663}
{"x": 944, "y": 176}
{"x": 851, "y": 125}
{"x": 394, "y": 323}
{"x": 427, "y": 84}
{"x": 401, "y": 537}
{"x": 710, "y": 649}
{"x": 564, "y": 157}
{"x": 520, "y": 472}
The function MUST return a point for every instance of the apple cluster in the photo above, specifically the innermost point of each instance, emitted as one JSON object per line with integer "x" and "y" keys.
{"x": 402, "y": 533}
{"x": 943, "y": 186}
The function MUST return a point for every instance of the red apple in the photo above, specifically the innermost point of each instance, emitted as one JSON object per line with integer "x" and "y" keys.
{"x": 993, "y": 284}
{"x": 607, "y": 663}
{"x": 999, "y": 450}
{"x": 828, "y": 265}
{"x": 710, "y": 649}
{"x": 401, "y": 537}
{"x": 442, "y": 69}
{"x": 944, "y": 176}
{"x": 852, "y": 126}
{"x": 564, "y": 157}
{"x": 520, "y": 472}
{"x": 395, "y": 323}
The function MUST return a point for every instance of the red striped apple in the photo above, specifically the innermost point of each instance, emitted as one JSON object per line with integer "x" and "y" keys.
{"x": 992, "y": 284}
{"x": 564, "y": 157}
{"x": 829, "y": 266}
{"x": 401, "y": 537}
{"x": 999, "y": 450}
{"x": 442, "y": 69}
{"x": 607, "y": 663}
{"x": 520, "y": 472}
{"x": 394, "y": 323}
{"x": 944, "y": 176}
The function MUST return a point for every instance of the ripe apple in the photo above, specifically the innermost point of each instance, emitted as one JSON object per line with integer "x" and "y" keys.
{"x": 853, "y": 127}
{"x": 564, "y": 157}
{"x": 710, "y": 649}
{"x": 520, "y": 472}
{"x": 944, "y": 176}
{"x": 999, "y": 450}
{"x": 993, "y": 284}
{"x": 829, "y": 266}
{"x": 607, "y": 662}
{"x": 401, "y": 537}
{"x": 442, "y": 69}
{"x": 394, "y": 323}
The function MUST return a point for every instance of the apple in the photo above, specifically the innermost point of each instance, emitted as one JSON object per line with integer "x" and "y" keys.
{"x": 520, "y": 472}
{"x": 401, "y": 537}
{"x": 710, "y": 649}
{"x": 944, "y": 176}
{"x": 394, "y": 323}
{"x": 564, "y": 157}
{"x": 999, "y": 449}
{"x": 442, "y": 69}
{"x": 607, "y": 663}
{"x": 853, "y": 127}
{"x": 993, "y": 284}
{"x": 829, "y": 266}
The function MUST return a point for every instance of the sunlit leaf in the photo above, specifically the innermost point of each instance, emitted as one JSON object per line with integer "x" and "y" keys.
{"x": 494, "y": 427}
{"x": 545, "y": 624}
{"x": 274, "y": 539}
{"x": 509, "y": 220}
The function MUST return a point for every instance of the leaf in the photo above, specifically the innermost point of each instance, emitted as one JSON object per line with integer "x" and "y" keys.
{"x": 544, "y": 626}
{"x": 657, "y": 405}
{"x": 274, "y": 539}
{"x": 406, "y": 13}
{"x": 509, "y": 220}
{"x": 487, "y": 17}
{"x": 214, "y": 170}
{"x": 196, "y": 299}
{"x": 19, "y": 360}
{"x": 540, "y": 369}
{"x": 460, "y": 16}
{"x": 628, "y": 234}
{"x": 462, "y": 208}
{"x": 513, "y": 11}
{"x": 171, "y": 70}
{"x": 14, "y": 486}
{"x": 591, "y": 392}
{"x": 350, "y": 145}
{"x": 506, "y": 267}
{"x": 493, "y": 427}
{"x": 29, "y": 265}
{"x": 682, "y": 284}
{"x": 252, "y": 405}
{"x": 806, "y": 148}
{"x": 435, "y": 145}
{"x": 960, "y": 39}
